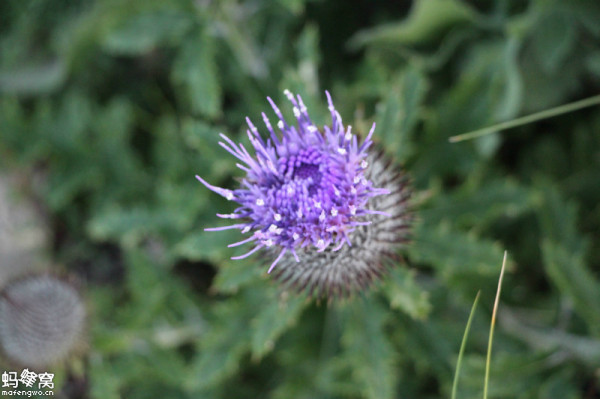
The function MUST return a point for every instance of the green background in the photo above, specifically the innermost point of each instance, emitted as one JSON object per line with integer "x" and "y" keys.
{"x": 109, "y": 108}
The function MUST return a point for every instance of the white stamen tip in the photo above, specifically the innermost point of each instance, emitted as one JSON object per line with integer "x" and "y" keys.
{"x": 334, "y": 212}
{"x": 295, "y": 236}
{"x": 272, "y": 228}
{"x": 356, "y": 179}
{"x": 296, "y": 112}
{"x": 364, "y": 164}
{"x": 320, "y": 243}
{"x": 352, "y": 209}
{"x": 312, "y": 129}
{"x": 287, "y": 92}
{"x": 269, "y": 243}
{"x": 260, "y": 202}
{"x": 280, "y": 125}
{"x": 342, "y": 151}
{"x": 277, "y": 217}
{"x": 245, "y": 229}
{"x": 322, "y": 216}
{"x": 290, "y": 190}
{"x": 229, "y": 195}
{"x": 318, "y": 205}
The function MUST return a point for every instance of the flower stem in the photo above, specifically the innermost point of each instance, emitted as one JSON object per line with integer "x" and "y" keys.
{"x": 549, "y": 113}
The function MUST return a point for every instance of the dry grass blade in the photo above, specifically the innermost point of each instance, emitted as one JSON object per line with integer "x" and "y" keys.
{"x": 493, "y": 324}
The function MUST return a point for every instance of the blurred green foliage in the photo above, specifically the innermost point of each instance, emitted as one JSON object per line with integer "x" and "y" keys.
{"x": 114, "y": 106}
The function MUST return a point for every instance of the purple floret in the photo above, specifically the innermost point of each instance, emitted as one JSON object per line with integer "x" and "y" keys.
{"x": 304, "y": 188}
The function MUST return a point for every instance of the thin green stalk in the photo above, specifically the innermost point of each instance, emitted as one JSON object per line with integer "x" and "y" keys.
{"x": 463, "y": 345}
{"x": 549, "y": 113}
{"x": 493, "y": 324}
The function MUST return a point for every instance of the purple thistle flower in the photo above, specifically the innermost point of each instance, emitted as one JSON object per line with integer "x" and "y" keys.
{"x": 308, "y": 194}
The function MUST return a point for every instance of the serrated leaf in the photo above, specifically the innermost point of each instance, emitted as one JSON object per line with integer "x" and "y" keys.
{"x": 522, "y": 370}
{"x": 406, "y": 295}
{"x": 414, "y": 87}
{"x": 558, "y": 220}
{"x": 277, "y": 315}
{"x": 35, "y": 79}
{"x": 511, "y": 91}
{"x": 574, "y": 280}
{"x": 130, "y": 225}
{"x": 553, "y": 37}
{"x": 295, "y": 6}
{"x": 582, "y": 348}
{"x": 145, "y": 280}
{"x": 236, "y": 274}
{"x": 141, "y": 33}
{"x": 399, "y": 113}
{"x": 226, "y": 341}
{"x": 427, "y": 20}
{"x": 455, "y": 254}
{"x": 564, "y": 250}
{"x": 195, "y": 74}
{"x": 107, "y": 382}
{"x": 211, "y": 245}
{"x": 477, "y": 204}
{"x": 367, "y": 349}
{"x": 200, "y": 136}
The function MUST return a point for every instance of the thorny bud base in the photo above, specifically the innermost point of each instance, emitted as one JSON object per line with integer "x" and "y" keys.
{"x": 310, "y": 195}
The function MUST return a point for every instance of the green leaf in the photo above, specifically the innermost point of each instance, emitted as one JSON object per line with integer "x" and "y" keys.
{"x": 398, "y": 115}
{"x": 195, "y": 75}
{"x": 551, "y": 340}
{"x": 130, "y": 225}
{"x": 145, "y": 280}
{"x": 295, "y": 6}
{"x": 226, "y": 341}
{"x": 207, "y": 245}
{"x": 405, "y": 294}
{"x": 236, "y": 274}
{"x": 427, "y": 20}
{"x": 141, "y": 33}
{"x": 454, "y": 254}
{"x": 276, "y": 316}
{"x": 510, "y": 82}
{"x": 558, "y": 221}
{"x": 479, "y": 203}
{"x": 367, "y": 349}
{"x": 34, "y": 79}
{"x": 564, "y": 250}
{"x": 553, "y": 36}
{"x": 106, "y": 382}
{"x": 574, "y": 280}
{"x": 200, "y": 136}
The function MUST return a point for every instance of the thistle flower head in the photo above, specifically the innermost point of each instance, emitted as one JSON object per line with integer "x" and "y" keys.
{"x": 42, "y": 320}
{"x": 306, "y": 190}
